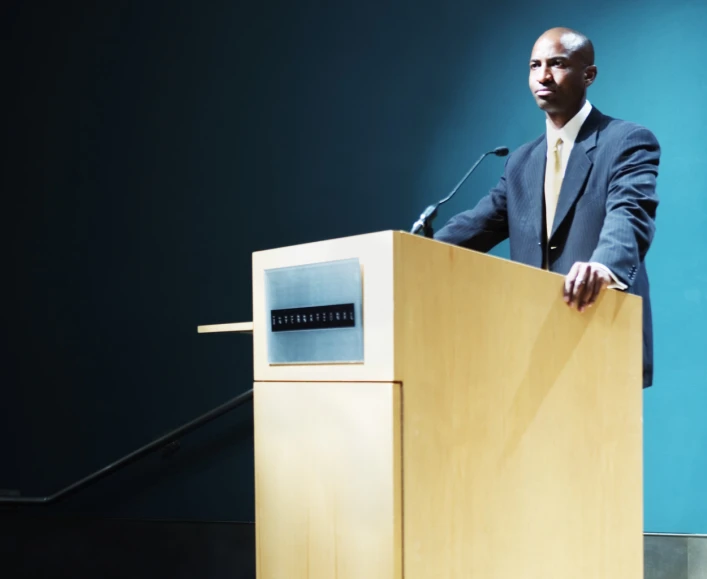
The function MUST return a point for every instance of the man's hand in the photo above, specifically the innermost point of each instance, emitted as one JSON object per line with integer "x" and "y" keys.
{"x": 583, "y": 284}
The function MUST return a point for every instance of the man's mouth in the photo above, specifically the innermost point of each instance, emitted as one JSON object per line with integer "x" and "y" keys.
{"x": 544, "y": 91}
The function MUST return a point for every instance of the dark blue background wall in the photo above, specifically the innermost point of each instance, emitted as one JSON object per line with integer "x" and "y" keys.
{"x": 151, "y": 147}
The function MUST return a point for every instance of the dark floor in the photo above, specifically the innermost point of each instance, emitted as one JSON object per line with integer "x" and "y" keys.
{"x": 59, "y": 547}
{"x": 53, "y": 548}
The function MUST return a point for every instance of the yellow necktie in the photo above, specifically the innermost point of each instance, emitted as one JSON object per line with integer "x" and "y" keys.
{"x": 553, "y": 184}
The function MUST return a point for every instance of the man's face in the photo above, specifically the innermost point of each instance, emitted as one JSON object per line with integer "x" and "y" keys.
{"x": 558, "y": 78}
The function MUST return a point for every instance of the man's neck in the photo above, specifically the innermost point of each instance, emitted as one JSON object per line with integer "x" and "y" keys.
{"x": 560, "y": 119}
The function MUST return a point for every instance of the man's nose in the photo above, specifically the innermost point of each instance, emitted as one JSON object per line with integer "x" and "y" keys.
{"x": 544, "y": 74}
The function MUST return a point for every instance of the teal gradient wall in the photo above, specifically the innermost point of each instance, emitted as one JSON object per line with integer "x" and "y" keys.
{"x": 152, "y": 147}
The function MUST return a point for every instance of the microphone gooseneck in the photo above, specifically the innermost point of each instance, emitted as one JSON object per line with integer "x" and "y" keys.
{"x": 424, "y": 223}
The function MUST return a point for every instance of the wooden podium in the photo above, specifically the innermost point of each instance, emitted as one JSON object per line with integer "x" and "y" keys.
{"x": 491, "y": 432}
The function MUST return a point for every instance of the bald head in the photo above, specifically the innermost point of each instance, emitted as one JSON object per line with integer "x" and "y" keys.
{"x": 561, "y": 70}
{"x": 574, "y": 42}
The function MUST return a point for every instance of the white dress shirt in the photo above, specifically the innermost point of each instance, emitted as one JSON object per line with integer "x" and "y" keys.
{"x": 568, "y": 134}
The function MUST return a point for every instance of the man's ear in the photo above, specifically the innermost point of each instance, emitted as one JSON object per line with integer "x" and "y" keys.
{"x": 590, "y": 74}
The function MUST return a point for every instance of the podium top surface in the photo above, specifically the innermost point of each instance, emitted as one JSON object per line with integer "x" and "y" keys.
{"x": 422, "y": 299}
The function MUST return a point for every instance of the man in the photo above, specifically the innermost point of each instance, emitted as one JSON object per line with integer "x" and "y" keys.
{"x": 579, "y": 200}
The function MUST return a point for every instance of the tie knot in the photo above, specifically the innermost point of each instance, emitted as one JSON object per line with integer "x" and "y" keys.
{"x": 558, "y": 144}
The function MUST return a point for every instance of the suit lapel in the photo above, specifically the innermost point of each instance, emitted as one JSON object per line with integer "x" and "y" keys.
{"x": 534, "y": 184}
{"x": 578, "y": 167}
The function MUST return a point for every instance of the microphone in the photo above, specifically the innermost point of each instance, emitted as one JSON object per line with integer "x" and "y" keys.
{"x": 424, "y": 223}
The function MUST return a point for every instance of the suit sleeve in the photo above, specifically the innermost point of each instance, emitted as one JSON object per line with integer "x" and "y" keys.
{"x": 631, "y": 203}
{"x": 482, "y": 227}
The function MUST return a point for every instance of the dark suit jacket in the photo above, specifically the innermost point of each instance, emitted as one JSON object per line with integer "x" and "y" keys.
{"x": 605, "y": 213}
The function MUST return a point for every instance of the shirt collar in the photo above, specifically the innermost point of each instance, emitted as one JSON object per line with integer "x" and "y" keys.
{"x": 569, "y": 132}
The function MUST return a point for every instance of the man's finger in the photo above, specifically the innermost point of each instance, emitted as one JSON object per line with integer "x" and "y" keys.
{"x": 598, "y": 286}
{"x": 580, "y": 284}
{"x": 579, "y": 289}
{"x": 590, "y": 290}
{"x": 602, "y": 282}
{"x": 570, "y": 281}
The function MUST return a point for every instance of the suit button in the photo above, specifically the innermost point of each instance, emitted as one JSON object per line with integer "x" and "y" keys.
{"x": 553, "y": 247}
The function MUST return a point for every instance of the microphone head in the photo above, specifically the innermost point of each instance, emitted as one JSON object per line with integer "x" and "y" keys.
{"x": 500, "y": 151}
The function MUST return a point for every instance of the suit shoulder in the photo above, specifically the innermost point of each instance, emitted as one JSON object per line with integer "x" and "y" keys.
{"x": 619, "y": 128}
{"x": 522, "y": 152}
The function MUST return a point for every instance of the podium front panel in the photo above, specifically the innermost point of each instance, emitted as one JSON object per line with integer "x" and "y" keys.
{"x": 328, "y": 480}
